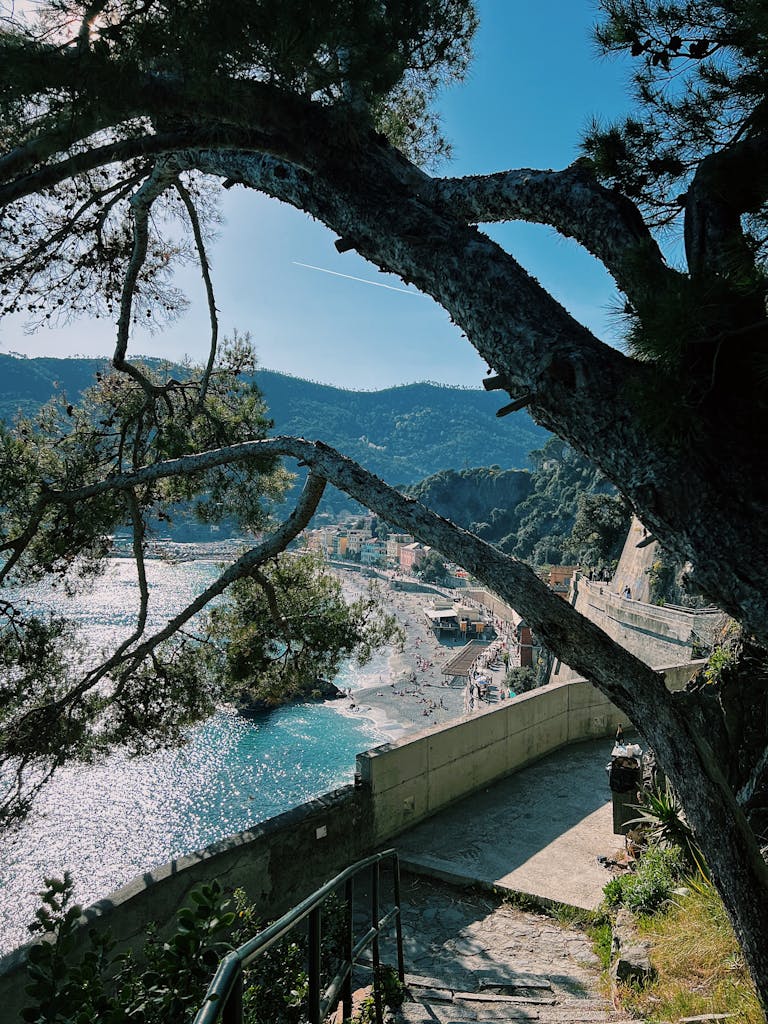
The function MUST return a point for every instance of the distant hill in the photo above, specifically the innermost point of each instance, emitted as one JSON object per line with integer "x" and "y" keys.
{"x": 481, "y": 499}
{"x": 561, "y": 511}
{"x": 402, "y": 434}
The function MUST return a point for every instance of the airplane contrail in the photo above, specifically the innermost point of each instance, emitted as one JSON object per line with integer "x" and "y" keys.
{"x": 362, "y": 280}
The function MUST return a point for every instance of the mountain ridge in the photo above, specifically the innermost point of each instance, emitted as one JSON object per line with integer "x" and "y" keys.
{"x": 403, "y": 433}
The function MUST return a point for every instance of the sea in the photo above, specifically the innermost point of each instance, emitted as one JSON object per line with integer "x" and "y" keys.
{"x": 110, "y": 822}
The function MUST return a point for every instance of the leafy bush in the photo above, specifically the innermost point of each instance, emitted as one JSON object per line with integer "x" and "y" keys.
{"x": 663, "y": 820}
{"x": 650, "y": 885}
{"x": 67, "y": 989}
{"x": 72, "y": 982}
{"x": 392, "y": 995}
{"x": 521, "y": 679}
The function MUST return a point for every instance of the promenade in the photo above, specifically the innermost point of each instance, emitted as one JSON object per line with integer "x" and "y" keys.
{"x": 538, "y": 832}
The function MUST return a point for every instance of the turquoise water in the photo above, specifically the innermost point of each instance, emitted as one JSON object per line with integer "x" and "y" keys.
{"x": 108, "y": 823}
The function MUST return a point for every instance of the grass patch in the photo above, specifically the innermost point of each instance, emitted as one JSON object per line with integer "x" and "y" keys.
{"x": 601, "y": 935}
{"x": 700, "y": 968}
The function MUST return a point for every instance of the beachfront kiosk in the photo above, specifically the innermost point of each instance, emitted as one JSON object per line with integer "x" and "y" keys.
{"x": 449, "y": 621}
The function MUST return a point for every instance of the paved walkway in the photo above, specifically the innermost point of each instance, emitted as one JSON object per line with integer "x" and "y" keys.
{"x": 538, "y": 832}
{"x": 472, "y": 957}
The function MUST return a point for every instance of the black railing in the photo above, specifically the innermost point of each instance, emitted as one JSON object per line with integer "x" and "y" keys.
{"x": 224, "y": 999}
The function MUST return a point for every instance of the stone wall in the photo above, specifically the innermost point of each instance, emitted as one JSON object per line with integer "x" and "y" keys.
{"x": 656, "y": 635}
{"x": 498, "y": 608}
{"x": 414, "y": 777}
{"x": 277, "y": 863}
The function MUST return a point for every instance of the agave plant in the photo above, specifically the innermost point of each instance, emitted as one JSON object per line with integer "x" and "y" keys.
{"x": 663, "y": 820}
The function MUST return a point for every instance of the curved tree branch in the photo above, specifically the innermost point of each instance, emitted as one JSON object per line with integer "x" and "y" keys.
{"x": 634, "y": 687}
{"x": 275, "y": 543}
{"x": 127, "y": 658}
{"x": 162, "y": 178}
{"x": 118, "y": 151}
{"x": 575, "y": 204}
{"x": 726, "y": 185}
{"x": 194, "y": 220}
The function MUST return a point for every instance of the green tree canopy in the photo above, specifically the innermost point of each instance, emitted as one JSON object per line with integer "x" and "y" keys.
{"x": 286, "y": 629}
{"x": 432, "y": 568}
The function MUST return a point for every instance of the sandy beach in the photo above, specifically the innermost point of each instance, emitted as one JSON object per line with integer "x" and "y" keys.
{"x": 411, "y": 693}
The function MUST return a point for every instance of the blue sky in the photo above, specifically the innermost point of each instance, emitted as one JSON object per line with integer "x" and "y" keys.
{"x": 535, "y": 83}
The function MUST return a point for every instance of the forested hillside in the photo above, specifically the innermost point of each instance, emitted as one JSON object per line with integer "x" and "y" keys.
{"x": 402, "y": 434}
{"x": 526, "y": 502}
{"x": 561, "y": 511}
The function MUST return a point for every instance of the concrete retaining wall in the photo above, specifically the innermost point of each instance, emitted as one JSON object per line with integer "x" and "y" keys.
{"x": 494, "y": 605}
{"x": 413, "y": 778}
{"x": 657, "y": 635}
{"x": 287, "y": 857}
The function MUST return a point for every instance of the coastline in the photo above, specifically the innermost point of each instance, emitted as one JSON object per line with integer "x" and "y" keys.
{"x": 410, "y": 692}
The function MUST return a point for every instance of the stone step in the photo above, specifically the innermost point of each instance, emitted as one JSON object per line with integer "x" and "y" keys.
{"x": 503, "y": 999}
{"x": 426, "y": 993}
{"x": 451, "y": 1013}
{"x": 437, "y": 1007}
{"x": 510, "y": 980}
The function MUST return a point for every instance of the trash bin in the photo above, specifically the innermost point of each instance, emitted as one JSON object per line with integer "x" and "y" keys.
{"x": 625, "y": 778}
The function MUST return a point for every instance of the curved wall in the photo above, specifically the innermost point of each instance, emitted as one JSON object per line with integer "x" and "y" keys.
{"x": 657, "y": 635}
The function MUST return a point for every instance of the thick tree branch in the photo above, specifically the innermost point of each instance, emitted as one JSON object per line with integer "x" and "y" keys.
{"x": 512, "y": 321}
{"x": 229, "y": 113}
{"x": 163, "y": 177}
{"x": 635, "y": 688}
{"x": 126, "y": 659}
{"x": 118, "y": 151}
{"x": 573, "y": 638}
{"x": 584, "y": 391}
{"x": 726, "y": 185}
{"x": 575, "y": 204}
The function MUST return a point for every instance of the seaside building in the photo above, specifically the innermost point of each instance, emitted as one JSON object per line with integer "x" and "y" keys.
{"x": 412, "y": 555}
{"x": 355, "y": 541}
{"x": 523, "y": 639}
{"x": 450, "y": 621}
{"x": 559, "y": 578}
{"x": 396, "y": 541}
{"x": 373, "y": 552}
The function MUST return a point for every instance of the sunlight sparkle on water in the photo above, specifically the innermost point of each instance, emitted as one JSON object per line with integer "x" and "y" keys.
{"x": 108, "y": 823}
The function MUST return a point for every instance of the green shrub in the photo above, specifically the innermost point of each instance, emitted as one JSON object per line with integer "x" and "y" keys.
{"x": 602, "y": 941}
{"x": 662, "y": 819}
{"x": 392, "y": 996}
{"x": 77, "y": 982}
{"x": 276, "y": 985}
{"x": 70, "y": 986}
{"x": 650, "y": 885}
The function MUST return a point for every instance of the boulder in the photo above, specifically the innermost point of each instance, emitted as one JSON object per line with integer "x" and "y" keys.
{"x": 630, "y": 955}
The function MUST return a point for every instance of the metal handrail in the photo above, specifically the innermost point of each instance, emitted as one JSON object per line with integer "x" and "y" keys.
{"x": 224, "y": 998}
